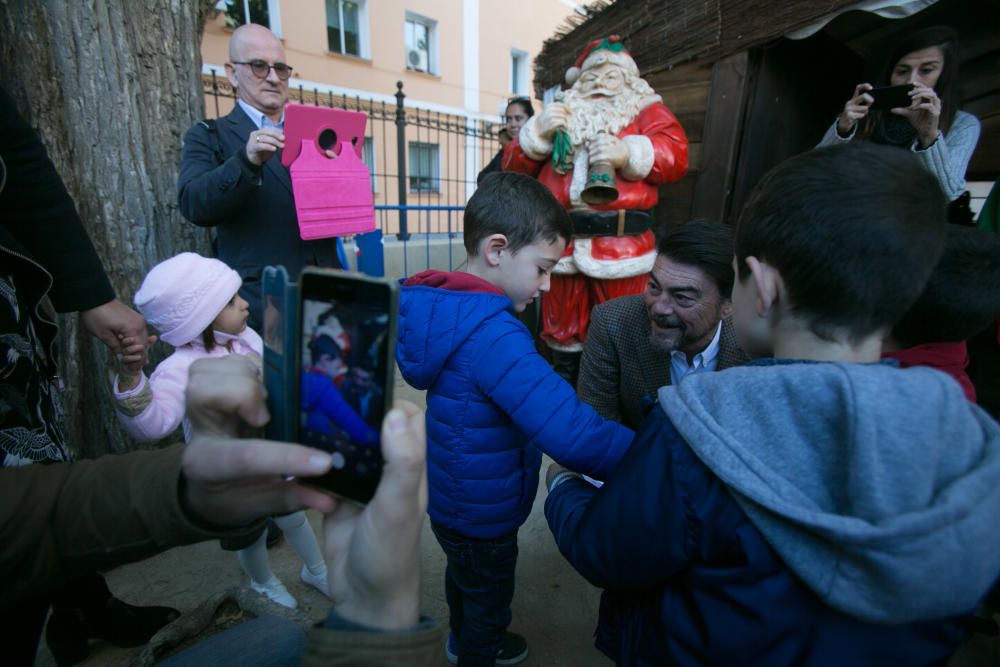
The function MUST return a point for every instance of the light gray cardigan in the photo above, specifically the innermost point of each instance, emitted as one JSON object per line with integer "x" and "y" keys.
{"x": 947, "y": 158}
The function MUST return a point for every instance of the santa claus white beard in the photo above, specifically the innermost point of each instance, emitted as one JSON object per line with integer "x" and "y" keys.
{"x": 591, "y": 116}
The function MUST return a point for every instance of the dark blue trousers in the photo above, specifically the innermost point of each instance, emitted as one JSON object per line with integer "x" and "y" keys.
{"x": 479, "y": 587}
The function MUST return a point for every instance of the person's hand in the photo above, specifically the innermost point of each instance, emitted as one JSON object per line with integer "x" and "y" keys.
{"x": 263, "y": 144}
{"x": 554, "y": 117}
{"x": 855, "y": 109}
{"x": 553, "y": 470}
{"x": 608, "y": 148}
{"x": 924, "y": 113}
{"x": 373, "y": 554}
{"x": 134, "y": 351}
{"x": 231, "y": 481}
{"x": 113, "y": 323}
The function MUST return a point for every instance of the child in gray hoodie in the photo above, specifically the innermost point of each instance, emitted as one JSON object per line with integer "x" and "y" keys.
{"x": 817, "y": 506}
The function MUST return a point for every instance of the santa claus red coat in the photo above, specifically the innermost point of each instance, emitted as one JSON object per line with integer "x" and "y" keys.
{"x": 598, "y": 268}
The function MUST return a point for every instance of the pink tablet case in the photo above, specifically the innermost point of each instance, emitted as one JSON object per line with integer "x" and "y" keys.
{"x": 333, "y": 197}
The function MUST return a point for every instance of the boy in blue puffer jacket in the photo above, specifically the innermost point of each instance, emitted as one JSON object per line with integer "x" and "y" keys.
{"x": 493, "y": 405}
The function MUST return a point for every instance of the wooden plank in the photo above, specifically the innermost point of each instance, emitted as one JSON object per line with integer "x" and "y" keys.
{"x": 720, "y": 139}
{"x": 687, "y": 98}
{"x": 985, "y": 162}
{"x": 675, "y": 201}
{"x": 693, "y": 72}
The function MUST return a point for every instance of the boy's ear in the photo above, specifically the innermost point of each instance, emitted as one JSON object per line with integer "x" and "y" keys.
{"x": 768, "y": 283}
{"x": 492, "y": 247}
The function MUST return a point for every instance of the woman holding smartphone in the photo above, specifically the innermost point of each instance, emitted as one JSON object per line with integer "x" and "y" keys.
{"x": 932, "y": 125}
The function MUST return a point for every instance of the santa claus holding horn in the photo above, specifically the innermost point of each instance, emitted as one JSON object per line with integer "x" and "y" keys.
{"x": 603, "y": 149}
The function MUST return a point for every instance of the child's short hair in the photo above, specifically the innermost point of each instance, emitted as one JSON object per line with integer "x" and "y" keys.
{"x": 323, "y": 345}
{"x": 854, "y": 231}
{"x": 962, "y": 296}
{"x": 517, "y": 206}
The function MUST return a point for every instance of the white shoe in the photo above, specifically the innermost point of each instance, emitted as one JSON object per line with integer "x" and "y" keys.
{"x": 317, "y": 581}
{"x": 275, "y": 591}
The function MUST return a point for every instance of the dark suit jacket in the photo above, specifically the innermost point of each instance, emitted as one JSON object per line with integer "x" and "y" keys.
{"x": 251, "y": 207}
{"x": 619, "y": 365}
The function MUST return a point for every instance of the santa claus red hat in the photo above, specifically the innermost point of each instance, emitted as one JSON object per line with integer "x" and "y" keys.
{"x": 610, "y": 49}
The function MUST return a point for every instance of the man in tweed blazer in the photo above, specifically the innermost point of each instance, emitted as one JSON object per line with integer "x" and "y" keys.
{"x": 678, "y": 326}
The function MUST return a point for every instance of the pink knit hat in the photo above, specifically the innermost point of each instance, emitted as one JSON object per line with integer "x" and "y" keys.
{"x": 183, "y": 295}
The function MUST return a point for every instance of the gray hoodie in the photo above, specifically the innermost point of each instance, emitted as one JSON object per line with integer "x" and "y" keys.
{"x": 878, "y": 487}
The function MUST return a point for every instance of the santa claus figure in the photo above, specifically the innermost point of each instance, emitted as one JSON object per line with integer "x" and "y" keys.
{"x": 603, "y": 149}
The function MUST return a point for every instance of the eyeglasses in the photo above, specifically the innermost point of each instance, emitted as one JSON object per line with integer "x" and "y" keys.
{"x": 261, "y": 69}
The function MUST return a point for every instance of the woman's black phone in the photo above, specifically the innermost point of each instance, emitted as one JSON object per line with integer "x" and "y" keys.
{"x": 891, "y": 97}
{"x": 345, "y": 357}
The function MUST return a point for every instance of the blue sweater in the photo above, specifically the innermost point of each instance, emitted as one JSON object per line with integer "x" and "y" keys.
{"x": 792, "y": 515}
{"x": 493, "y": 406}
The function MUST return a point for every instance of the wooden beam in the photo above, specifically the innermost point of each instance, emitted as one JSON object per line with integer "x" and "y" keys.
{"x": 721, "y": 138}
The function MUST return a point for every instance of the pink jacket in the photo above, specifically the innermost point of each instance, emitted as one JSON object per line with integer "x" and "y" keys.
{"x": 155, "y": 407}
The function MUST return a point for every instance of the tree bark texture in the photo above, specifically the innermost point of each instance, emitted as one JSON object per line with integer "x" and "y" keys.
{"x": 111, "y": 86}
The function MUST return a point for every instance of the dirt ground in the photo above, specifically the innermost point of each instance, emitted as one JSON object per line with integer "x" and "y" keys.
{"x": 554, "y": 608}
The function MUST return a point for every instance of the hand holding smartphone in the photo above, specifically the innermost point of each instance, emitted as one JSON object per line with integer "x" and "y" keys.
{"x": 891, "y": 97}
{"x": 345, "y": 359}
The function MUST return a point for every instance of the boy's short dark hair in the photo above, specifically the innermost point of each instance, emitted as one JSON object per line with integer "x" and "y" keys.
{"x": 323, "y": 345}
{"x": 854, "y": 231}
{"x": 705, "y": 245}
{"x": 517, "y": 206}
{"x": 962, "y": 296}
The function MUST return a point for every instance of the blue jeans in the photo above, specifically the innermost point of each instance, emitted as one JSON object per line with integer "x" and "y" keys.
{"x": 479, "y": 587}
{"x": 268, "y": 641}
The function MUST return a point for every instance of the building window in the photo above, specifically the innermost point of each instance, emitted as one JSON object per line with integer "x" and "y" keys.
{"x": 263, "y": 12}
{"x": 420, "y": 39}
{"x": 424, "y": 167}
{"x": 368, "y": 157}
{"x": 344, "y": 21}
{"x": 518, "y": 72}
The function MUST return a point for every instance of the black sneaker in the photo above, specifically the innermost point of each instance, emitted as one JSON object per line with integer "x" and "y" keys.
{"x": 513, "y": 649}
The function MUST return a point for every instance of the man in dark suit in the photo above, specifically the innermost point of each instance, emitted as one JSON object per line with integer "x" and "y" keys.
{"x": 678, "y": 326}
{"x": 232, "y": 177}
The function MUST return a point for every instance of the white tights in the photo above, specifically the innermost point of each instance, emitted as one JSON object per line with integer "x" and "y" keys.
{"x": 299, "y": 534}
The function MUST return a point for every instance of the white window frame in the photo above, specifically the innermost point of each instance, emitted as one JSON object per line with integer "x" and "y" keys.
{"x": 368, "y": 150}
{"x": 273, "y": 14}
{"x": 363, "y": 42}
{"x": 436, "y": 168}
{"x": 432, "y": 41}
{"x": 519, "y": 72}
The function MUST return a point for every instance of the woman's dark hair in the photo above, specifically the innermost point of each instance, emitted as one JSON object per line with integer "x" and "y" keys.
{"x": 947, "y": 83}
{"x": 524, "y": 103}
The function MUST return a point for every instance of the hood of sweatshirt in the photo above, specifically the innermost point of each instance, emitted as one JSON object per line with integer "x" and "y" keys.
{"x": 879, "y": 487}
{"x": 438, "y": 311}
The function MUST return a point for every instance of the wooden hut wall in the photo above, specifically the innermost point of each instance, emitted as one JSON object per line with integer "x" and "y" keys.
{"x": 685, "y": 90}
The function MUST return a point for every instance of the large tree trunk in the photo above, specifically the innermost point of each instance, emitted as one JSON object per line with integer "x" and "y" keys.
{"x": 111, "y": 86}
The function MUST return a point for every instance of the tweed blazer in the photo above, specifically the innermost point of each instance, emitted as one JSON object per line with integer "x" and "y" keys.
{"x": 619, "y": 365}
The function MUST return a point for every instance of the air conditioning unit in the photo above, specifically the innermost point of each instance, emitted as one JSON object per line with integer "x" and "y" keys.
{"x": 417, "y": 59}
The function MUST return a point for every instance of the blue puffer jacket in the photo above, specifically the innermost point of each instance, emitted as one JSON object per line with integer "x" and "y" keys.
{"x": 493, "y": 406}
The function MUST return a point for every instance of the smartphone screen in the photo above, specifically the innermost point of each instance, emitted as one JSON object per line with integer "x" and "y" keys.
{"x": 891, "y": 97}
{"x": 345, "y": 355}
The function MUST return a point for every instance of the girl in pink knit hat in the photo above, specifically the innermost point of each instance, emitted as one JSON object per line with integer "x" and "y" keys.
{"x": 193, "y": 302}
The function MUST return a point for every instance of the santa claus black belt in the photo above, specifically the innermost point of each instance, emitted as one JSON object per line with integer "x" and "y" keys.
{"x": 610, "y": 223}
